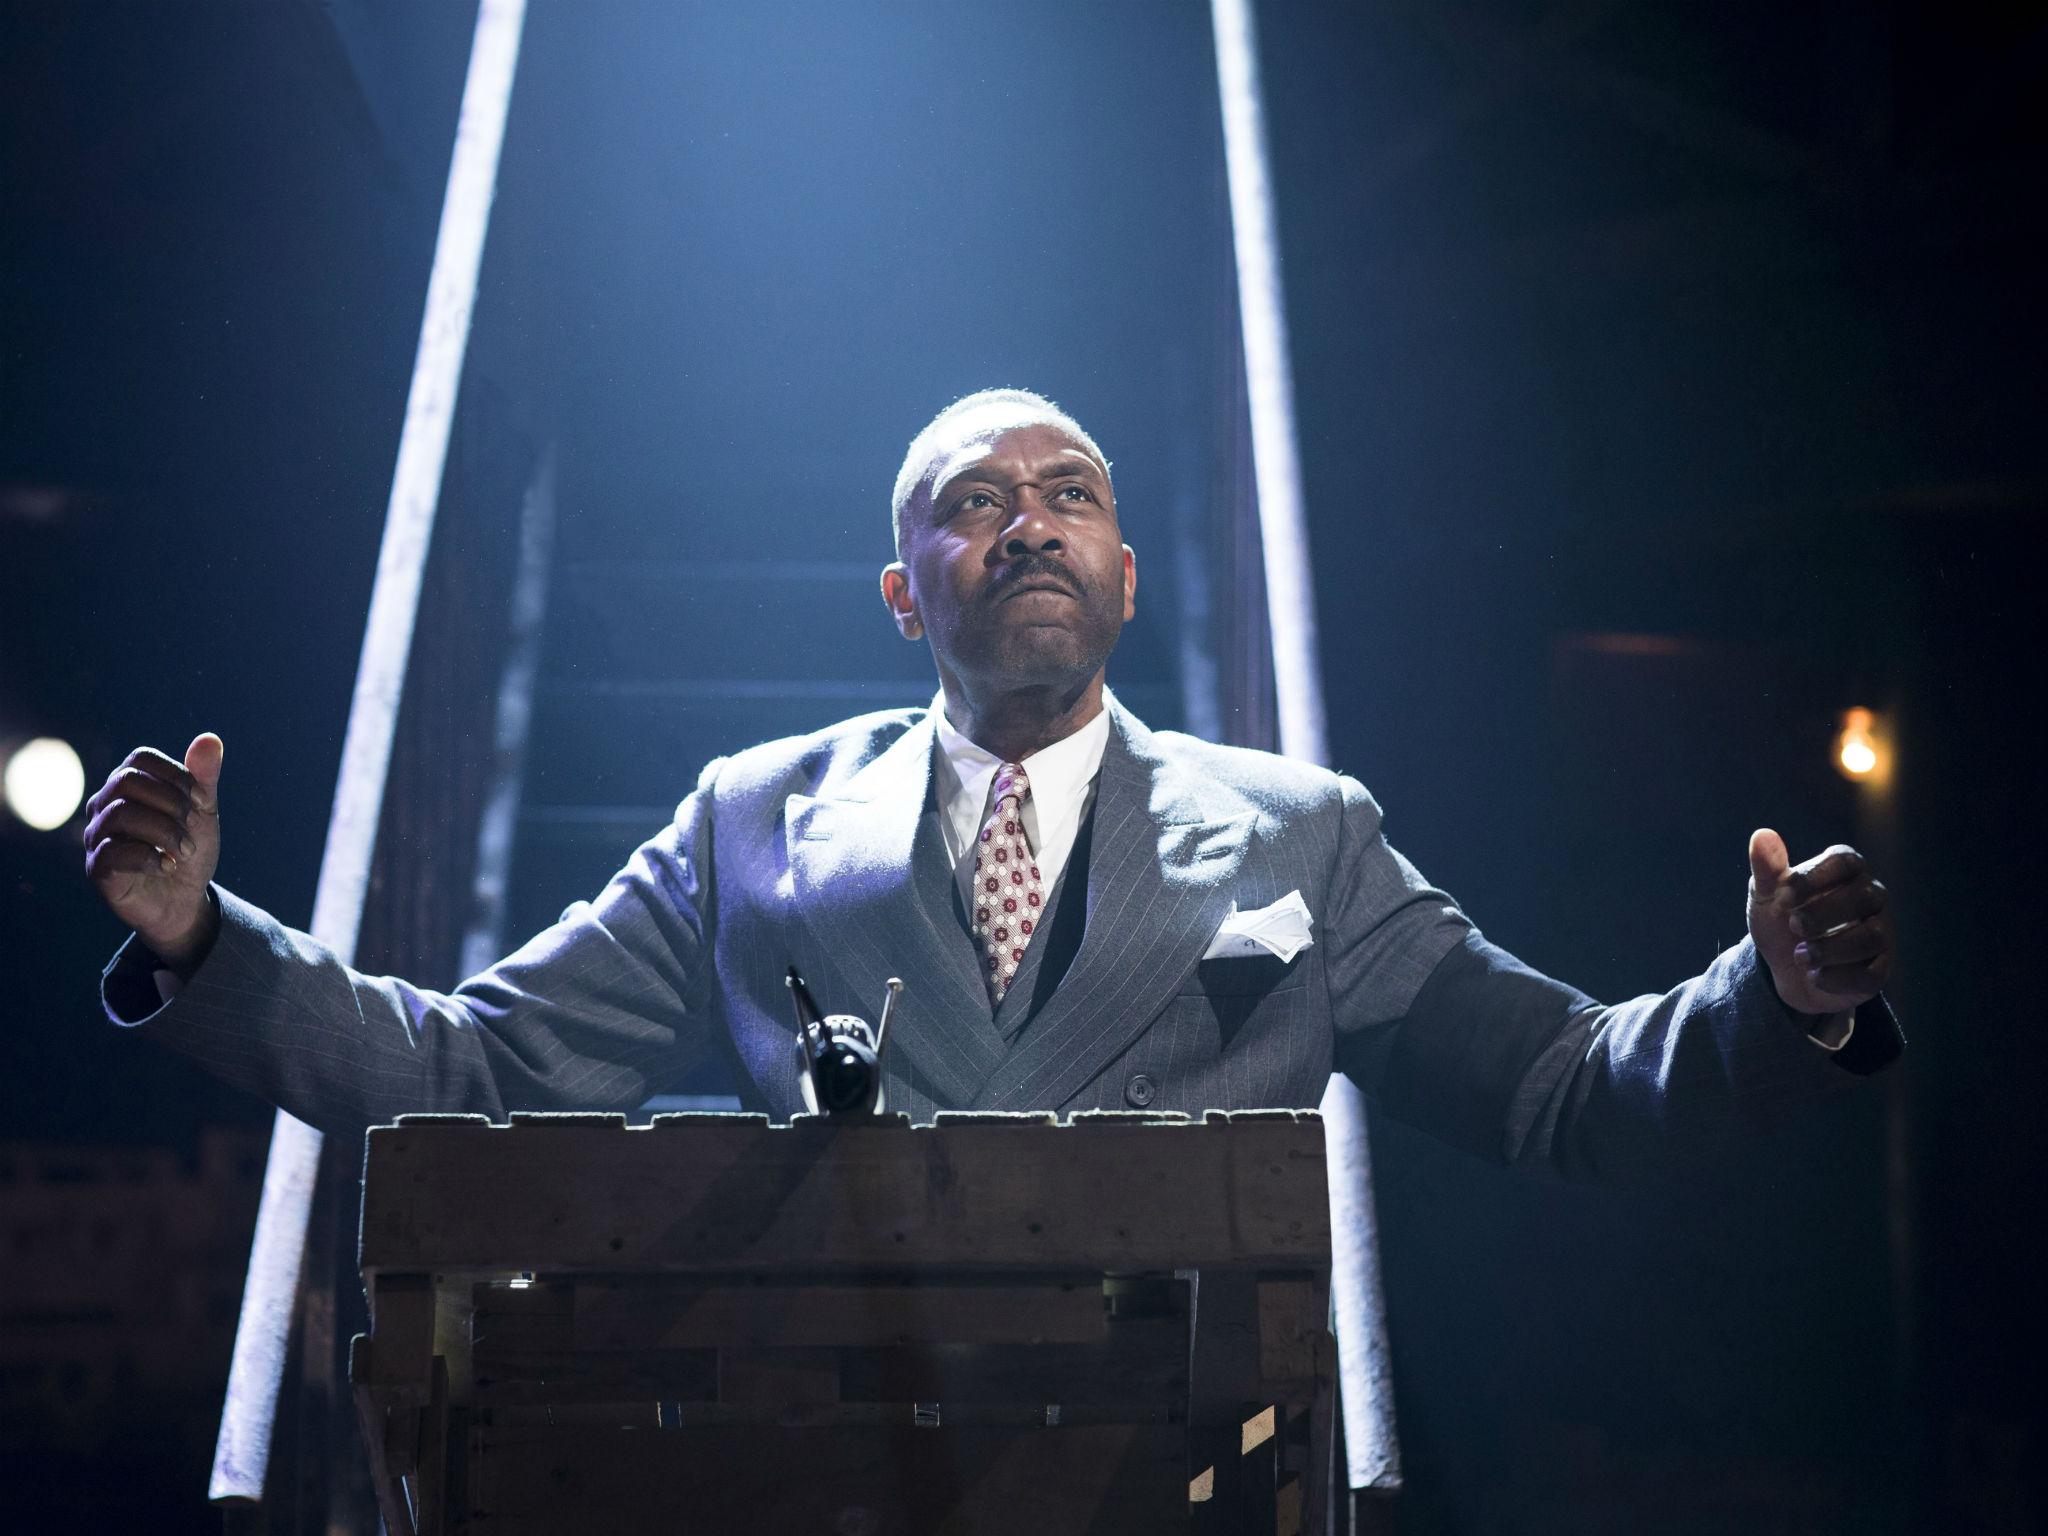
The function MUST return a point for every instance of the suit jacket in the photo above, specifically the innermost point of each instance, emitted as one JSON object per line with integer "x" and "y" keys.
{"x": 824, "y": 851}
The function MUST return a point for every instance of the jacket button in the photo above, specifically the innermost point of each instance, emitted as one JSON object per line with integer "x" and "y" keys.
{"x": 1139, "y": 1091}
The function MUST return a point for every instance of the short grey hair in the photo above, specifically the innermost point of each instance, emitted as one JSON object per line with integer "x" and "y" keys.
{"x": 1004, "y": 408}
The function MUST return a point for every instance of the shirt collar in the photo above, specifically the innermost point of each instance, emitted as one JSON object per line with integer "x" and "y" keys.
{"x": 1058, "y": 773}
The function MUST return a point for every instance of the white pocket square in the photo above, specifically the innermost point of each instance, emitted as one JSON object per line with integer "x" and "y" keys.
{"x": 1280, "y": 930}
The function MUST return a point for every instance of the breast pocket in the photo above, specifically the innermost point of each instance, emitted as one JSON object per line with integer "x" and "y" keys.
{"x": 1246, "y": 976}
{"x": 1229, "y": 992}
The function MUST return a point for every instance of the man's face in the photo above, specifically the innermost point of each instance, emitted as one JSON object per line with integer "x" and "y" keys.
{"x": 1013, "y": 565}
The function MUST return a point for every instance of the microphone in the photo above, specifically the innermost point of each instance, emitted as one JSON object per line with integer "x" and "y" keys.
{"x": 839, "y": 1056}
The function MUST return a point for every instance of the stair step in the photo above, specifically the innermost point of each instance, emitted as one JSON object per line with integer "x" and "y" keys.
{"x": 724, "y": 618}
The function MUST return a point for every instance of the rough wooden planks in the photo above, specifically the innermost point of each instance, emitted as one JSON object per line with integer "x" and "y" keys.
{"x": 988, "y": 1325}
{"x": 888, "y": 1482}
{"x": 713, "y": 1196}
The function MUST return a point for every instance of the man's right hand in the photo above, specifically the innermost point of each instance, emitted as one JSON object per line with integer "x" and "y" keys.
{"x": 152, "y": 839}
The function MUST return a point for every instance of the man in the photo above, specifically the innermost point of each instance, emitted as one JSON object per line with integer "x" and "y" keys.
{"x": 1048, "y": 876}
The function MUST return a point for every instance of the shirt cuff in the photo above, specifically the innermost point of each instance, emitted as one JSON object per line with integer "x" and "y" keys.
{"x": 1830, "y": 1033}
{"x": 136, "y": 984}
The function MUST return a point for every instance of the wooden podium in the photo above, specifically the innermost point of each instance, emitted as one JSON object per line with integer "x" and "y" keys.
{"x": 996, "y": 1324}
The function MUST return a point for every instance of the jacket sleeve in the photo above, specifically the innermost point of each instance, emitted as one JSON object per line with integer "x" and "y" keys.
{"x": 599, "y": 1011}
{"x": 1454, "y": 1035}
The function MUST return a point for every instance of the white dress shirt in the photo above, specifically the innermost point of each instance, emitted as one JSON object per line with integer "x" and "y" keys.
{"x": 1062, "y": 788}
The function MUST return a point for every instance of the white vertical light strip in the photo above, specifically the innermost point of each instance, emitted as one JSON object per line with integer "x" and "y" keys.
{"x": 1372, "y": 1444}
{"x": 242, "y": 1454}
{"x": 416, "y": 480}
{"x": 1372, "y": 1449}
{"x": 1269, "y": 387}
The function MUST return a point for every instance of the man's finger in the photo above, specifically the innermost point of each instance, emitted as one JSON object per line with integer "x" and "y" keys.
{"x": 202, "y": 761}
{"x": 143, "y": 823}
{"x": 139, "y": 785}
{"x": 1768, "y": 863}
{"x": 144, "y": 766}
{"x": 135, "y": 784}
{"x": 1840, "y": 904}
{"x": 1823, "y": 870}
{"x": 159, "y": 765}
{"x": 1852, "y": 946}
{"x": 123, "y": 856}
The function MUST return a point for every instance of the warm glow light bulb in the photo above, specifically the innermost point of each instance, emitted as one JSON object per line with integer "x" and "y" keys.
{"x": 44, "y": 783}
{"x": 1861, "y": 751}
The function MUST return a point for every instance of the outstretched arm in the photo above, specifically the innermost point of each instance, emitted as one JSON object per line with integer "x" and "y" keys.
{"x": 599, "y": 1011}
{"x": 1488, "y": 1054}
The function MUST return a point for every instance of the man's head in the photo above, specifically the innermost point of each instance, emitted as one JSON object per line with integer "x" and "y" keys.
{"x": 1009, "y": 557}
{"x": 981, "y": 414}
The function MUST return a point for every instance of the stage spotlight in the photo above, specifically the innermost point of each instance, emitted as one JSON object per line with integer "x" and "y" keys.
{"x": 44, "y": 783}
{"x": 1862, "y": 751}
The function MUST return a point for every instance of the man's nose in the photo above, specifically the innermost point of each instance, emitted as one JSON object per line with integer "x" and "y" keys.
{"x": 1033, "y": 528}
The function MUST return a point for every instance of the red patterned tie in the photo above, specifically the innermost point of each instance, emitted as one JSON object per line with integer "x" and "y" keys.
{"x": 1008, "y": 893}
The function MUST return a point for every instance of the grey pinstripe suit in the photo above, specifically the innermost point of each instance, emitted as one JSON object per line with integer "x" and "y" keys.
{"x": 824, "y": 851}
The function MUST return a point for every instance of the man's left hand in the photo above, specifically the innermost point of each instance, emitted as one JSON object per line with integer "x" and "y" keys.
{"x": 1821, "y": 927}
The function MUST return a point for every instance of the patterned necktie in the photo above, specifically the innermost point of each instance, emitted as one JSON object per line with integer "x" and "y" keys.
{"x": 1008, "y": 893}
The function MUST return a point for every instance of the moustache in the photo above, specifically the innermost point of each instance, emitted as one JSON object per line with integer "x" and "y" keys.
{"x": 1028, "y": 568}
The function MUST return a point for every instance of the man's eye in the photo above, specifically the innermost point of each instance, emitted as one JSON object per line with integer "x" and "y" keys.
{"x": 1076, "y": 493}
{"x": 976, "y": 501}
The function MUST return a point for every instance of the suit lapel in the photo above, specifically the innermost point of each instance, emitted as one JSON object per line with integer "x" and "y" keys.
{"x": 870, "y": 878}
{"x": 1166, "y": 846}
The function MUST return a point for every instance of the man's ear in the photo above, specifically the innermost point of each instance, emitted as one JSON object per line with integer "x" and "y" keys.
{"x": 902, "y": 607}
{"x": 1130, "y": 583}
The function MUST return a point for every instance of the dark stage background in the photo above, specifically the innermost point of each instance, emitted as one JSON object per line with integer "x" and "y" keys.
{"x": 1669, "y": 378}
